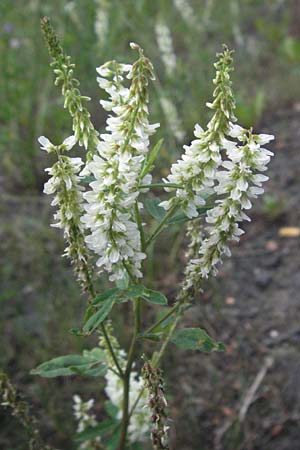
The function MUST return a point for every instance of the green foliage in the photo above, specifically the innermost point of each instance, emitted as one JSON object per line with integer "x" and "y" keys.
{"x": 94, "y": 320}
{"x": 90, "y": 363}
{"x": 148, "y": 163}
{"x": 158, "y": 213}
{"x": 131, "y": 293}
{"x": 196, "y": 339}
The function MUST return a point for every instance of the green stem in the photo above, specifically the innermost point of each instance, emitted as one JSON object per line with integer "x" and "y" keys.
{"x": 126, "y": 379}
{"x": 140, "y": 225}
{"x": 162, "y": 224}
{"x": 158, "y": 356}
{"x": 167, "y": 185}
{"x": 168, "y": 314}
{"x": 111, "y": 350}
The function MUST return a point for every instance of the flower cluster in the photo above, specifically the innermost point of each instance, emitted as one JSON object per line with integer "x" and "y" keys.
{"x": 187, "y": 13}
{"x": 111, "y": 205}
{"x": 237, "y": 185}
{"x": 138, "y": 428}
{"x": 102, "y": 21}
{"x": 172, "y": 119}
{"x": 65, "y": 184}
{"x": 85, "y": 419}
{"x": 83, "y": 128}
{"x": 165, "y": 45}
{"x": 195, "y": 171}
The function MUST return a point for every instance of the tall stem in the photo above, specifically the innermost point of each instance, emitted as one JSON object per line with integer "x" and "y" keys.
{"x": 126, "y": 378}
{"x": 162, "y": 224}
{"x": 158, "y": 356}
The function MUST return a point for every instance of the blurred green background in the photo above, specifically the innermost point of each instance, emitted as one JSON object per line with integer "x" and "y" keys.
{"x": 39, "y": 299}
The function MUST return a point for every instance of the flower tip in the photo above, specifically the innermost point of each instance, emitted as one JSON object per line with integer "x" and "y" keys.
{"x": 69, "y": 142}
{"x": 134, "y": 46}
{"x": 45, "y": 143}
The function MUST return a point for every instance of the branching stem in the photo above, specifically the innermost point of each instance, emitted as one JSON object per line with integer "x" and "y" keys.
{"x": 162, "y": 224}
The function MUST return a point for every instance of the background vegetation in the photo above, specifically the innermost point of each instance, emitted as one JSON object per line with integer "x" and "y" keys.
{"x": 39, "y": 299}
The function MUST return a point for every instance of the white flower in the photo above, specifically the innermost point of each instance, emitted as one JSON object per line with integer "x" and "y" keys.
{"x": 110, "y": 205}
{"x": 46, "y": 144}
{"x": 196, "y": 170}
{"x": 140, "y": 421}
{"x": 165, "y": 45}
{"x": 188, "y": 14}
{"x": 237, "y": 185}
{"x": 64, "y": 182}
{"x": 111, "y": 80}
{"x": 85, "y": 419}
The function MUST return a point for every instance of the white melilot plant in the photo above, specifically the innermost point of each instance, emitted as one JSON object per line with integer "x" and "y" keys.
{"x": 216, "y": 178}
{"x": 166, "y": 47}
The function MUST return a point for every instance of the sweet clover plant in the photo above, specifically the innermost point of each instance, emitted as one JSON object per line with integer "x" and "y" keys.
{"x": 102, "y": 207}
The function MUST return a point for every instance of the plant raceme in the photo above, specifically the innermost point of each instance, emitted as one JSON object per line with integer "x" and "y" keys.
{"x": 105, "y": 226}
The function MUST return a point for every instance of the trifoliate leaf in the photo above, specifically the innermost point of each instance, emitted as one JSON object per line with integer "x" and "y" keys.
{"x": 196, "y": 339}
{"x": 105, "y": 295}
{"x": 97, "y": 318}
{"x": 90, "y": 363}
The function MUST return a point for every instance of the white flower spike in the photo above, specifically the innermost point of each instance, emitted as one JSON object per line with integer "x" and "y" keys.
{"x": 110, "y": 205}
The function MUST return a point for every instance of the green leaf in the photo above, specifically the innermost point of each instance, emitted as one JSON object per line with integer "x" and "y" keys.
{"x": 155, "y": 337}
{"x": 87, "y": 179}
{"x": 95, "y": 354}
{"x": 88, "y": 313}
{"x": 76, "y": 331}
{"x": 196, "y": 339}
{"x": 149, "y": 295}
{"x": 158, "y": 213}
{"x": 91, "y": 363}
{"x": 97, "y": 318}
{"x": 111, "y": 409}
{"x": 124, "y": 282}
{"x": 105, "y": 295}
{"x": 154, "y": 297}
{"x": 113, "y": 441}
{"x": 148, "y": 166}
{"x": 133, "y": 291}
{"x": 98, "y": 430}
{"x": 152, "y": 207}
